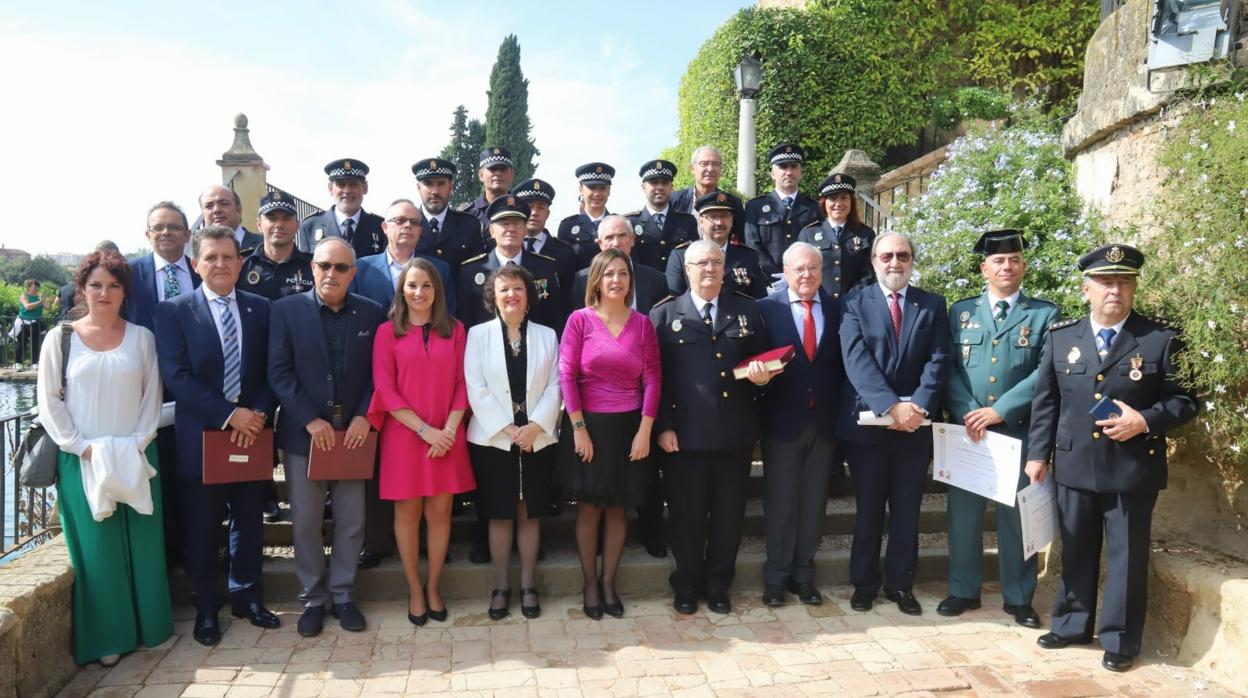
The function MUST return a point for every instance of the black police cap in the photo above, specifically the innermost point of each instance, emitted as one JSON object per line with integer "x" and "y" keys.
{"x": 494, "y": 156}
{"x": 785, "y": 152}
{"x": 433, "y": 167}
{"x": 717, "y": 201}
{"x": 595, "y": 173}
{"x": 346, "y": 168}
{"x": 1112, "y": 259}
{"x": 277, "y": 200}
{"x": 510, "y": 206}
{"x": 837, "y": 182}
{"x": 533, "y": 189}
{"x": 657, "y": 169}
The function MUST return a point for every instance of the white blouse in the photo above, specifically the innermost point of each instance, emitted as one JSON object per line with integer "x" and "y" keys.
{"x": 109, "y": 393}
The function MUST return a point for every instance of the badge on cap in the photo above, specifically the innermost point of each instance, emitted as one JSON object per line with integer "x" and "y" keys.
{"x": 433, "y": 164}
{"x": 677, "y": 325}
{"x": 277, "y": 196}
{"x": 598, "y": 169}
{"x": 837, "y": 179}
{"x": 253, "y": 277}
{"x": 766, "y": 208}
{"x": 788, "y": 149}
{"x": 722, "y": 197}
{"x": 479, "y": 279}
{"x": 497, "y": 151}
{"x": 1114, "y": 255}
{"x": 537, "y": 186}
{"x": 346, "y": 165}
{"x": 1074, "y": 355}
{"x": 511, "y": 201}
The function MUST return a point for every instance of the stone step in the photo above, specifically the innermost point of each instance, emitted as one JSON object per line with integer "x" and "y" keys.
{"x": 838, "y": 520}
{"x": 560, "y": 572}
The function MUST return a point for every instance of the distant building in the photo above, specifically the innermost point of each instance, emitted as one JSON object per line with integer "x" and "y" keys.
{"x": 11, "y": 252}
{"x": 67, "y": 259}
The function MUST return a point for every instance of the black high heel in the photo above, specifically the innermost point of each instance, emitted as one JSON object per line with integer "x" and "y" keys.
{"x": 615, "y": 610}
{"x": 414, "y": 619}
{"x": 530, "y": 611}
{"x": 500, "y": 613}
{"x": 591, "y": 612}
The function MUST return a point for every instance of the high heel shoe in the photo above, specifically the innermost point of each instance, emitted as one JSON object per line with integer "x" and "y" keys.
{"x": 500, "y": 613}
{"x": 530, "y": 611}
{"x": 615, "y": 610}
{"x": 592, "y": 612}
{"x": 417, "y": 620}
{"x": 439, "y": 616}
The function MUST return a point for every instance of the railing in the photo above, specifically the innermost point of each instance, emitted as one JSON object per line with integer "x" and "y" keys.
{"x": 304, "y": 208}
{"x": 27, "y": 513}
{"x": 873, "y": 215}
{"x": 26, "y": 344}
{"x": 907, "y": 182}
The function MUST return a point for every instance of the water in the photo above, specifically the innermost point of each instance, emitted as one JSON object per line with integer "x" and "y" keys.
{"x": 15, "y": 398}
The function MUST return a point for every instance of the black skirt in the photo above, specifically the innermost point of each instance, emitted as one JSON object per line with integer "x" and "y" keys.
{"x": 500, "y": 483}
{"x": 610, "y": 479}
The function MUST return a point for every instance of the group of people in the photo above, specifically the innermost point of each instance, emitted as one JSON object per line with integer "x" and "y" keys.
{"x": 614, "y": 364}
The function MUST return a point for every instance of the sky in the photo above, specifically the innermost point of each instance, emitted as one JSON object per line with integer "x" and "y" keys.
{"x": 113, "y": 106}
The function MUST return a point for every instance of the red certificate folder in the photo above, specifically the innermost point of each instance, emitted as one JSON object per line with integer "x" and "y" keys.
{"x": 773, "y": 360}
{"x": 224, "y": 462}
{"x": 342, "y": 463}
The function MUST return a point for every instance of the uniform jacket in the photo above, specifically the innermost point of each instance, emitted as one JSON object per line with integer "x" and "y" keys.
{"x": 372, "y": 280}
{"x": 299, "y": 364}
{"x": 140, "y": 307}
{"x": 489, "y": 389}
{"x": 547, "y": 309}
{"x": 846, "y": 258}
{"x": 368, "y": 239}
{"x": 263, "y": 277}
{"x": 578, "y": 231}
{"x": 477, "y": 208}
{"x": 707, "y": 407}
{"x": 1072, "y": 377}
{"x": 565, "y": 261}
{"x": 251, "y": 241}
{"x": 787, "y": 405}
{"x": 770, "y": 227}
{"x": 649, "y": 287}
{"x": 741, "y": 272}
{"x": 683, "y": 199}
{"x": 653, "y": 244}
{"x": 880, "y": 370}
{"x": 458, "y": 238}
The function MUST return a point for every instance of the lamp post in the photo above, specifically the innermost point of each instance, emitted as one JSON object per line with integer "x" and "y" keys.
{"x": 749, "y": 78}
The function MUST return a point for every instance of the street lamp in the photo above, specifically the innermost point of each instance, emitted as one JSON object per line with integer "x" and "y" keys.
{"x": 749, "y": 78}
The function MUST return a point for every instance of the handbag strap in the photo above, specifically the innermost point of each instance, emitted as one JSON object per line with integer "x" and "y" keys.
{"x": 67, "y": 333}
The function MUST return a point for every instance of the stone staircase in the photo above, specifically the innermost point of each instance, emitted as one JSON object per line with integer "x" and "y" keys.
{"x": 560, "y": 574}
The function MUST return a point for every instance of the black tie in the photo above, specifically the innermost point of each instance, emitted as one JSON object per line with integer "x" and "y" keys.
{"x": 706, "y": 314}
{"x": 433, "y": 226}
{"x": 528, "y": 246}
{"x": 348, "y": 229}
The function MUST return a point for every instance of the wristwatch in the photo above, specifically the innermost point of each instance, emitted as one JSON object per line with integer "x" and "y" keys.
{"x": 578, "y": 424}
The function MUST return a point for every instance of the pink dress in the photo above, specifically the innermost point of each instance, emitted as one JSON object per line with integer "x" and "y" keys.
{"x": 431, "y": 384}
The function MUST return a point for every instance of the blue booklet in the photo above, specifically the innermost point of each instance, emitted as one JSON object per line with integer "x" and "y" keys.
{"x": 1105, "y": 409}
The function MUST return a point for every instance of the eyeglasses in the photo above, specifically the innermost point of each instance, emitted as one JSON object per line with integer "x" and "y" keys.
{"x": 709, "y": 163}
{"x": 708, "y": 264}
{"x": 805, "y": 270}
{"x": 886, "y": 257}
{"x": 161, "y": 227}
{"x": 340, "y": 267}
{"x": 403, "y": 220}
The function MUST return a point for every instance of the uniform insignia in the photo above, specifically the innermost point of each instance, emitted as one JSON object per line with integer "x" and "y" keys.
{"x": 497, "y": 151}
{"x": 576, "y": 230}
{"x": 537, "y": 186}
{"x": 319, "y": 234}
{"x": 837, "y": 179}
{"x": 1137, "y": 362}
{"x": 677, "y": 325}
{"x": 665, "y": 299}
{"x": 277, "y": 196}
{"x": 346, "y": 165}
{"x": 857, "y": 243}
{"x": 966, "y": 352}
{"x": 542, "y": 291}
{"x": 511, "y": 201}
{"x": 819, "y": 236}
{"x": 741, "y": 275}
{"x": 253, "y": 277}
{"x": 479, "y": 279}
{"x": 1114, "y": 255}
{"x": 1022, "y": 336}
{"x": 598, "y": 169}
{"x": 964, "y": 318}
{"x": 1073, "y": 356}
{"x": 788, "y": 149}
{"x": 637, "y": 229}
{"x": 766, "y": 208}
{"x": 433, "y": 164}
{"x": 745, "y": 327}
{"x": 1063, "y": 323}
{"x": 722, "y": 197}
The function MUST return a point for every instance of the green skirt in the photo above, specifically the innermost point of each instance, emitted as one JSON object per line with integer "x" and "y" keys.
{"x": 121, "y": 586}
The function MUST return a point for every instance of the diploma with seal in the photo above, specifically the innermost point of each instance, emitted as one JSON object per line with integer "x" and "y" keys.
{"x": 225, "y": 462}
{"x": 773, "y": 360}
{"x": 989, "y": 468}
{"x": 342, "y": 463}
{"x": 1037, "y": 511}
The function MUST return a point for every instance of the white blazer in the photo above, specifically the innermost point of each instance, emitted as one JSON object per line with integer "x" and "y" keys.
{"x": 489, "y": 391}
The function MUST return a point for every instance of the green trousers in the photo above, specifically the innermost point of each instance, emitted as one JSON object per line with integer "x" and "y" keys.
{"x": 966, "y": 548}
{"x": 121, "y": 586}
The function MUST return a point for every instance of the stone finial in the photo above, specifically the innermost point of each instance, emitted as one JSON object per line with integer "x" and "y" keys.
{"x": 862, "y": 168}
{"x": 241, "y": 151}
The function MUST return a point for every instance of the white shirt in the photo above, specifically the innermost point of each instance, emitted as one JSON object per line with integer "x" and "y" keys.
{"x": 182, "y": 271}
{"x": 654, "y": 213}
{"x": 799, "y": 315}
{"x": 395, "y": 266}
{"x": 539, "y": 241}
{"x": 341, "y": 217}
{"x": 503, "y": 259}
{"x": 1010, "y": 301}
{"x": 699, "y": 303}
{"x": 215, "y": 308}
{"x": 1096, "y": 328}
{"x": 238, "y": 235}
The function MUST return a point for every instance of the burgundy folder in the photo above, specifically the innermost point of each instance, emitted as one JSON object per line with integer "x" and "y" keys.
{"x": 342, "y": 463}
{"x": 773, "y": 360}
{"x": 224, "y": 462}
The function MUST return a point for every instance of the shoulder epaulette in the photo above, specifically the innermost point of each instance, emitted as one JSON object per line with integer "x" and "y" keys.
{"x": 478, "y": 258}
{"x": 630, "y": 214}
{"x": 813, "y": 224}
{"x": 310, "y": 216}
{"x": 1060, "y": 324}
{"x": 963, "y": 300}
{"x": 743, "y": 294}
{"x": 464, "y": 206}
{"x": 663, "y": 300}
{"x": 460, "y": 212}
{"x": 683, "y": 245}
{"x": 542, "y": 256}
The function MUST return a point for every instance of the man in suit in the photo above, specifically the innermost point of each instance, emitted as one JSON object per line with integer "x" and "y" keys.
{"x": 539, "y": 195}
{"x": 707, "y": 424}
{"x": 213, "y": 351}
{"x": 497, "y": 171}
{"x": 659, "y": 228}
{"x": 799, "y": 426}
{"x": 326, "y": 332}
{"x": 895, "y": 344}
{"x": 649, "y": 286}
{"x": 377, "y": 276}
{"x": 741, "y": 273}
{"x": 221, "y": 206}
{"x": 1000, "y": 334}
{"x": 774, "y": 220}
{"x": 347, "y": 219}
{"x": 276, "y": 268}
{"x": 580, "y": 229}
{"x": 706, "y": 165}
{"x": 451, "y": 236}
{"x": 1108, "y": 471}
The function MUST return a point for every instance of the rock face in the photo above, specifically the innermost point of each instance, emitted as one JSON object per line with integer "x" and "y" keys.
{"x": 36, "y": 600}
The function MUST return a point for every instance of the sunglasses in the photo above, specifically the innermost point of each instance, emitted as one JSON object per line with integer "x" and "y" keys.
{"x": 886, "y": 257}
{"x": 340, "y": 267}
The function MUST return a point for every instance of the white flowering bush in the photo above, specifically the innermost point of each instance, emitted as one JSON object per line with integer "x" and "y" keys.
{"x": 1012, "y": 177}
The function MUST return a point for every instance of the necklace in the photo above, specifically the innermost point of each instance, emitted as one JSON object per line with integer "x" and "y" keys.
{"x": 515, "y": 345}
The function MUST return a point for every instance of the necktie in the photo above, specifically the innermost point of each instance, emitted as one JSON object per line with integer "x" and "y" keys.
{"x": 1106, "y": 337}
{"x": 836, "y": 231}
{"x": 434, "y": 227}
{"x": 1003, "y": 309}
{"x": 706, "y": 314}
{"x": 595, "y": 222}
{"x": 233, "y": 361}
{"x": 528, "y": 245}
{"x": 348, "y": 229}
{"x": 896, "y": 310}
{"x": 808, "y": 330}
{"x": 172, "y": 288}
{"x": 788, "y": 202}
{"x": 660, "y": 219}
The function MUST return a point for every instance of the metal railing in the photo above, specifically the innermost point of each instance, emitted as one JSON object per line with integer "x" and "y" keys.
{"x": 27, "y": 513}
{"x": 304, "y": 208}
{"x": 26, "y": 345}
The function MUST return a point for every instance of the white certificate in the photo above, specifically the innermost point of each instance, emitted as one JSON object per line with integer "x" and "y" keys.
{"x": 989, "y": 468}
{"x": 1038, "y": 511}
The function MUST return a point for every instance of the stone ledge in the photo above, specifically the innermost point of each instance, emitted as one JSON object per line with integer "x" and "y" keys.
{"x": 36, "y": 603}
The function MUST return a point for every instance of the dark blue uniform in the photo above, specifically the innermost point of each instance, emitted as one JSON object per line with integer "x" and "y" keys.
{"x": 264, "y": 277}
{"x": 846, "y": 255}
{"x": 741, "y": 272}
{"x": 654, "y": 245}
{"x": 770, "y": 226}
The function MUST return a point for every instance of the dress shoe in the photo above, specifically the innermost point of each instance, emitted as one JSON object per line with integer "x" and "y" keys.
{"x": 655, "y": 547}
{"x": 109, "y": 660}
{"x": 685, "y": 603}
{"x": 438, "y": 615}
{"x": 1053, "y": 641}
{"x": 207, "y": 628}
{"x": 906, "y": 603}
{"x": 530, "y": 611}
{"x": 616, "y": 609}
{"x": 805, "y": 592}
{"x": 255, "y": 612}
{"x": 773, "y": 595}
{"x": 273, "y": 513}
{"x": 417, "y": 620}
{"x": 862, "y": 600}
{"x": 718, "y": 602}
{"x": 349, "y": 616}
{"x": 369, "y": 559}
{"x": 500, "y": 613}
{"x": 956, "y": 606}
{"x": 311, "y": 621}
{"x": 1117, "y": 662}
{"x": 1024, "y": 614}
{"x": 477, "y": 556}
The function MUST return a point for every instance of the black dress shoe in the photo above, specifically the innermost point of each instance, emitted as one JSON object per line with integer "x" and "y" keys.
{"x": 718, "y": 602}
{"x": 416, "y": 620}
{"x": 501, "y": 613}
{"x": 773, "y": 595}
{"x": 906, "y": 603}
{"x": 311, "y": 622}
{"x": 862, "y": 600}
{"x": 536, "y": 609}
{"x": 655, "y": 547}
{"x": 956, "y": 606}
{"x": 1117, "y": 662}
{"x": 1024, "y": 614}
{"x": 438, "y": 615}
{"x": 806, "y": 593}
{"x": 1053, "y": 641}
{"x": 477, "y": 556}
{"x": 273, "y": 513}
{"x": 349, "y": 616}
{"x": 369, "y": 559}
{"x": 207, "y": 628}
{"x": 685, "y": 603}
{"x": 255, "y": 612}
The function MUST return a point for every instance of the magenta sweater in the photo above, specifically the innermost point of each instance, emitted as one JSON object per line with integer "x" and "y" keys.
{"x": 601, "y": 373}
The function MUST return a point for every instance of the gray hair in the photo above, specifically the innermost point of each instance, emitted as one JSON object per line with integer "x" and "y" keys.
{"x": 693, "y": 159}
{"x": 396, "y": 202}
{"x": 890, "y": 234}
{"x": 212, "y": 232}
{"x": 107, "y": 246}
{"x": 701, "y": 248}
{"x": 797, "y": 248}
{"x": 335, "y": 239}
{"x": 611, "y": 219}
{"x": 169, "y": 205}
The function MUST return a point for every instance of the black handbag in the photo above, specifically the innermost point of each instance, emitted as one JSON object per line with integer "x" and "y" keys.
{"x": 36, "y": 458}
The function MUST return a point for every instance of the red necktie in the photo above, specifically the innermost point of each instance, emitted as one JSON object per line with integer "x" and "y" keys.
{"x": 896, "y": 316}
{"x": 808, "y": 331}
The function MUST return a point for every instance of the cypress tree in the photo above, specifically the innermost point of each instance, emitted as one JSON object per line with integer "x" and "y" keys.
{"x": 467, "y": 140}
{"x": 507, "y": 116}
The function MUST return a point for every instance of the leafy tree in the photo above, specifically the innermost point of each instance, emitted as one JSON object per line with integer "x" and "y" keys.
{"x": 467, "y": 140}
{"x": 15, "y": 270}
{"x": 507, "y": 116}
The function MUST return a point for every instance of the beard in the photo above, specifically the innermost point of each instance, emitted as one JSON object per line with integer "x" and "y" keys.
{"x": 894, "y": 281}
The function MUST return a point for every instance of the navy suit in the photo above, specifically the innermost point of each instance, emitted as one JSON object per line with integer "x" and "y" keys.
{"x": 192, "y": 365}
{"x": 372, "y": 280}
{"x": 140, "y": 307}
{"x": 889, "y": 467}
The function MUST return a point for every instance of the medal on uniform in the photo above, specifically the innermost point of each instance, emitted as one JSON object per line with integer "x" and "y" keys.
{"x": 253, "y": 277}
{"x": 542, "y": 293}
{"x": 742, "y": 275}
{"x": 819, "y": 236}
{"x": 964, "y": 318}
{"x": 1022, "y": 336}
{"x": 1073, "y": 356}
{"x": 1136, "y": 362}
{"x": 677, "y": 325}
{"x": 766, "y": 208}
{"x": 479, "y": 279}
{"x": 857, "y": 243}
{"x": 745, "y": 328}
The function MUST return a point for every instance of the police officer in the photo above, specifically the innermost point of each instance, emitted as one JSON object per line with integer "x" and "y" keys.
{"x": 998, "y": 336}
{"x": 707, "y": 423}
{"x": 497, "y": 171}
{"x": 774, "y": 220}
{"x": 451, "y": 236}
{"x": 276, "y": 269}
{"x": 580, "y": 230}
{"x": 1108, "y": 471}
{"x": 741, "y": 273}
{"x": 539, "y": 195}
{"x": 843, "y": 240}
{"x": 347, "y": 219}
{"x": 659, "y": 228}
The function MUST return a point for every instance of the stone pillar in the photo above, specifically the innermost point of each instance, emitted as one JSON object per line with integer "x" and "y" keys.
{"x": 746, "y": 149}
{"x": 863, "y": 169}
{"x": 244, "y": 171}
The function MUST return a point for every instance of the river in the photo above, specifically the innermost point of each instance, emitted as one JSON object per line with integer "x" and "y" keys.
{"x": 15, "y": 398}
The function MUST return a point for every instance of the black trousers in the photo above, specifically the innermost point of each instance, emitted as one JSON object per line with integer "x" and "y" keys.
{"x": 795, "y": 503}
{"x": 170, "y": 491}
{"x": 891, "y": 475}
{"x": 706, "y": 505}
{"x": 650, "y": 513}
{"x": 1125, "y": 520}
{"x": 378, "y": 515}
{"x": 205, "y": 507}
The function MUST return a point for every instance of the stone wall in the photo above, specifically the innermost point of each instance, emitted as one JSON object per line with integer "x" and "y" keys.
{"x": 36, "y": 604}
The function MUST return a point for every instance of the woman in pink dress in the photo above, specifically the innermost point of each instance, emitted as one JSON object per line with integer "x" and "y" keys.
{"x": 419, "y": 399}
{"x": 609, "y": 373}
